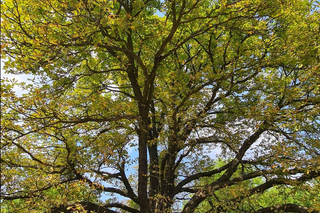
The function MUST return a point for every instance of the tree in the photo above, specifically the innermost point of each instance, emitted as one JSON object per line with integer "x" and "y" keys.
{"x": 272, "y": 200}
{"x": 71, "y": 195}
{"x": 172, "y": 79}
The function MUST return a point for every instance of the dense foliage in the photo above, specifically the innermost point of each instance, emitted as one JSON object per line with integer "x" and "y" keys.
{"x": 132, "y": 101}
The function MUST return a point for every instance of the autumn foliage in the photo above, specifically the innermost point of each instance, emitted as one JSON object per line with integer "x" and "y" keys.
{"x": 161, "y": 106}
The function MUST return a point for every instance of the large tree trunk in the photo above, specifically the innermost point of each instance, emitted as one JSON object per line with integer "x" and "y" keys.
{"x": 143, "y": 161}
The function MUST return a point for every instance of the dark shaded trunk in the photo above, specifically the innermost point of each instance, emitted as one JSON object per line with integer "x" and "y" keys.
{"x": 154, "y": 170}
{"x": 143, "y": 160}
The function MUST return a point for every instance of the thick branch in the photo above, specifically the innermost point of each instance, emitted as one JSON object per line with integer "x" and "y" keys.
{"x": 286, "y": 208}
{"x": 88, "y": 206}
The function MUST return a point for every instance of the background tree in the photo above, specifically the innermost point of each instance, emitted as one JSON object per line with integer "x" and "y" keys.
{"x": 172, "y": 79}
{"x": 234, "y": 199}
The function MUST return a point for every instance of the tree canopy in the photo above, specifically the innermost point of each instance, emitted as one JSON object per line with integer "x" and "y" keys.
{"x": 134, "y": 100}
